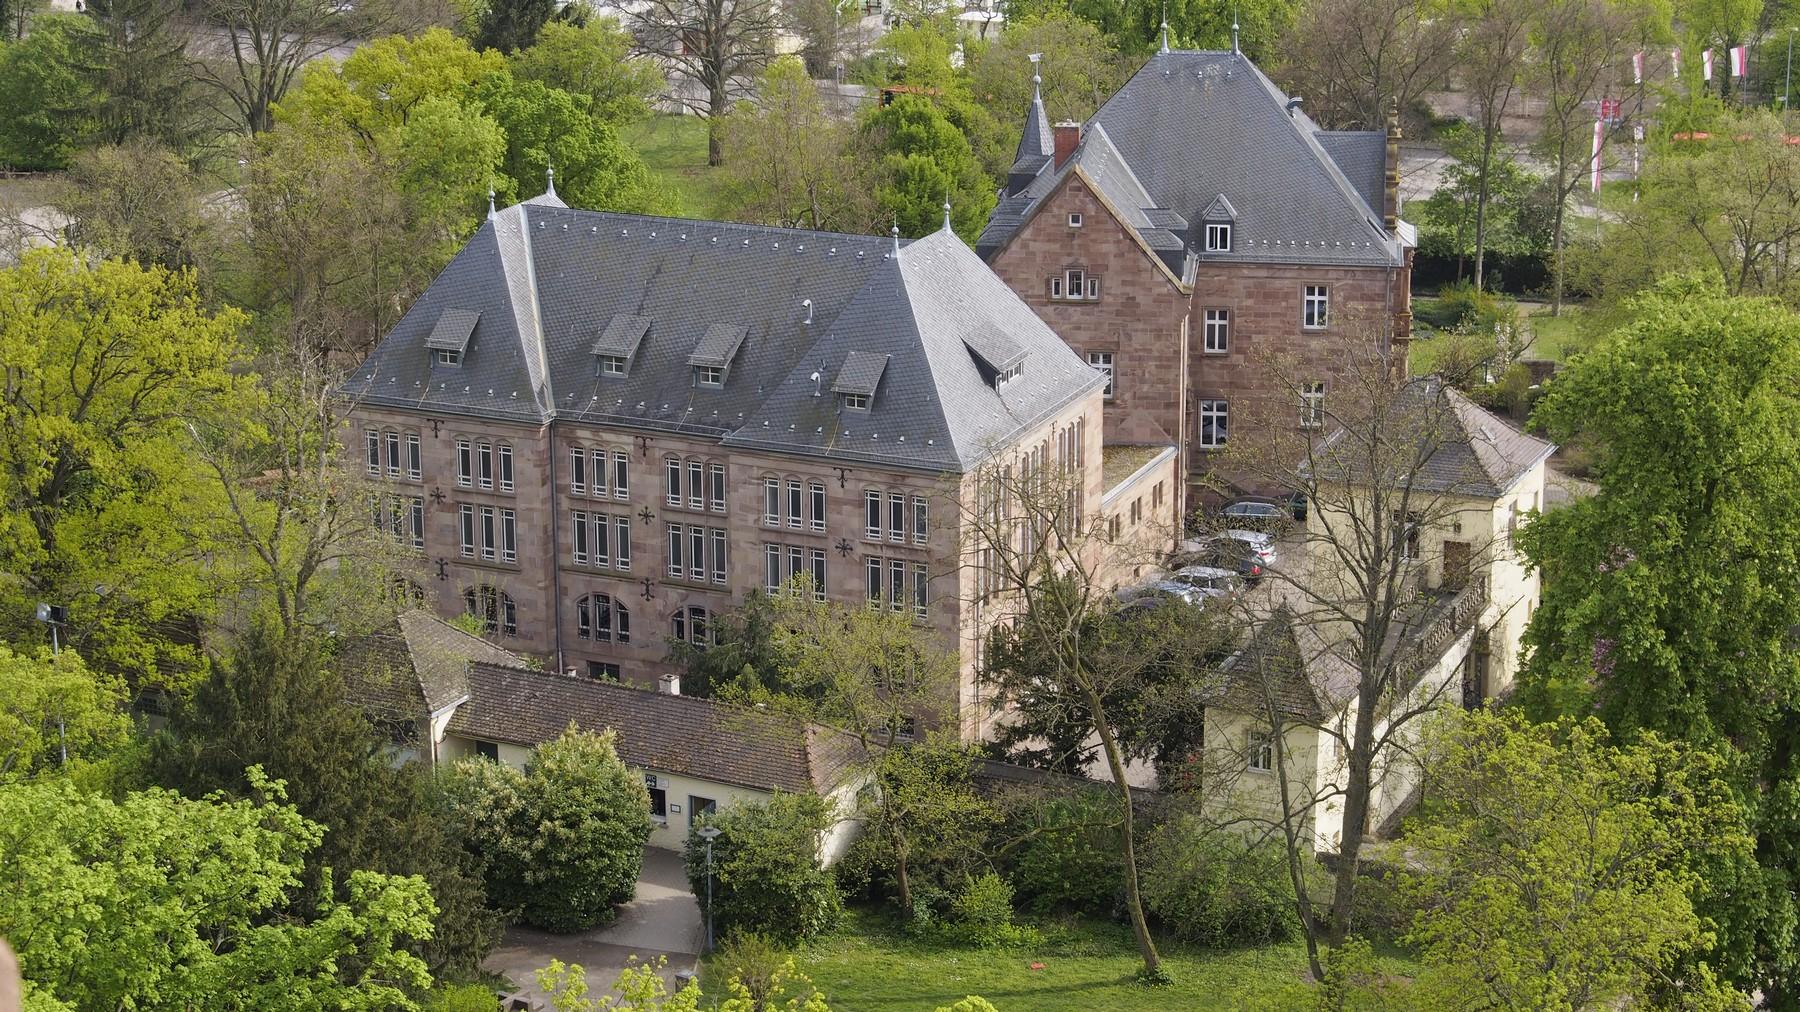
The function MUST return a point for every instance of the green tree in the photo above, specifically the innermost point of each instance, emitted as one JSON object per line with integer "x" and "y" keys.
{"x": 54, "y": 711}
{"x": 923, "y": 814}
{"x": 1355, "y": 60}
{"x": 106, "y": 364}
{"x": 594, "y": 61}
{"x": 137, "y": 201}
{"x": 137, "y": 61}
{"x": 719, "y": 47}
{"x": 550, "y": 129}
{"x": 564, "y": 840}
{"x": 795, "y": 165}
{"x": 1669, "y": 598}
{"x": 1552, "y": 868}
{"x": 280, "y": 705}
{"x": 179, "y": 904}
{"x": 1510, "y": 220}
{"x": 924, "y": 161}
{"x": 1080, "y": 69}
{"x": 512, "y": 25}
{"x": 48, "y": 97}
{"x": 766, "y": 873}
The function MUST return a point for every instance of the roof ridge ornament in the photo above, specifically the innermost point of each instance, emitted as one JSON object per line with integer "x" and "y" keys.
{"x": 947, "y": 227}
{"x": 491, "y": 211}
{"x": 1165, "y": 26}
{"x": 549, "y": 179}
{"x": 895, "y": 233}
{"x": 1234, "y": 29}
{"x": 1037, "y": 82}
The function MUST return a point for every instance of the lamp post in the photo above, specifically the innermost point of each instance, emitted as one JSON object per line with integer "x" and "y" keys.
{"x": 53, "y": 616}
{"x": 709, "y": 834}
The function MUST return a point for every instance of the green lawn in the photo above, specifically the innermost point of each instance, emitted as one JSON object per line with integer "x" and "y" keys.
{"x": 869, "y": 965}
{"x": 1556, "y": 337}
{"x": 674, "y": 147}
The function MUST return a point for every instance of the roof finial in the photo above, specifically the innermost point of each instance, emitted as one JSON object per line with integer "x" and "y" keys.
{"x": 1037, "y": 82}
{"x": 947, "y": 227}
{"x": 1234, "y": 28}
{"x": 549, "y": 179}
{"x": 490, "y": 202}
{"x": 895, "y": 233}
{"x": 1165, "y": 25}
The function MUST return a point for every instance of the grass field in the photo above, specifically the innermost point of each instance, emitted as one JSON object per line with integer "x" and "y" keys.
{"x": 674, "y": 147}
{"x": 870, "y": 966}
{"x": 1556, "y": 337}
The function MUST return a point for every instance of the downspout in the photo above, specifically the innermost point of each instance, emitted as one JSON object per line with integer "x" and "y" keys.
{"x": 555, "y": 558}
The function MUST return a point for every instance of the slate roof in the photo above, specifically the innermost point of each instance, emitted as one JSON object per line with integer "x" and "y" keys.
{"x": 1472, "y": 451}
{"x": 452, "y": 330}
{"x": 548, "y": 282}
{"x": 1192, "y": 126}
{"x": 683, "y": 735}
{"x": 417, "y": 664}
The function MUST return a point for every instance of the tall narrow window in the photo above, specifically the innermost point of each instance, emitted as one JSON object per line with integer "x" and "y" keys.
{"x": 772, "y": 567}
{"x": 718, "y": 554}
{"x": 921, "y": 590}
{"x": 872, "y": 522}
{"x": 584, "y": 620}
{"x": 772, "y": 502}
{"x": 896, "y": 517}
{"x": 873, "y": 575}
{"x": 1315, "y": 305}
{"x": 577, "y": 471}
{"x": 676, "y": 569}
{"x": 1218, "y": 331}
{"x": 464, "y": 465}
{"x": 818, "y": 573}
{"x": 602, "y": 539}
{"x": 817, "y": 491}
{"x": 506, "y": 471}
{"x": 509, "y": 536}
{"x": 484, "y": 464}
{"x": 796, "y": 561}
{"x": 467, "y": 530}
{"x": 795, "y": 516}
{"x": 622, "y": 543}
{"x": 487, "y": 532}
{"x": 1102, "y": 362}
{"x": 373, "y": 440}
{"x": 393, "y": 454}
{"x": 1218, "y": 238}
{"x": 1073, "y": 282}
{"x": 1214, "y": 420}
{"x": 621, "y": 484}
{"x": 715, "y": 488}
{"x": 672, "y": 481}
{"x": 697, "y": 552}
{"x": 1312, "y": 405}
{"x": 418, "y": 521}
{"x": 696, "y": 485}
{"x": 414, "y": 466}
{"x": 599, "y": 472}
{"x": 918, "y": 520}
{"x": 896, "y": 584}
{"x": 396, "y": 517}
{"x": 579, "y": 528}
{"x": 1260, "y": 755}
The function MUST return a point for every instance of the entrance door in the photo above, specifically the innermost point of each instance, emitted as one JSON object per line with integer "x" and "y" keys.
{"x": 1456, "y": 564}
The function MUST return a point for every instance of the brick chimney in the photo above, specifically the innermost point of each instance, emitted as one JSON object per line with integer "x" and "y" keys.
{"x": 1067, "y": 137}
{"x": 669, "y": 685}
{"x": 1390, "y": 196}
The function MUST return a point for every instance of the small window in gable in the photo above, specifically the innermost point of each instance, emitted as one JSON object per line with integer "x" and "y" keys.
{"x": 1074, "y": 283}
{"x": 856, "y": 402}
{"x": 445, "y": 356}
{"x": 1074, "y": 219}
{"x": 612, "y": 365}
{"x": 709, "y": 375}
{"x": 1218, "y": 238}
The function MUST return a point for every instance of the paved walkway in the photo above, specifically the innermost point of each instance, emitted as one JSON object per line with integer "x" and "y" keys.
{"x": 663, "y": 920}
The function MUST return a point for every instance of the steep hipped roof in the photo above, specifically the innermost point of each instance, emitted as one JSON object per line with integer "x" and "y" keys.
{"x": 1192, "y": 126}
{"x": 549, "y": 283}
{"x": 417, "y": 664}
{"x": 1036, "y": 143}
{"x": 684, "y": 735}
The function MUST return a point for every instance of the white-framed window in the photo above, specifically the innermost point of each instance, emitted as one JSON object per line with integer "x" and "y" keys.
{"x": 577, "y": 471}
{"x": 599, "y": 617}
{"x": 896, "y": 517}
{"x": 602, "y": 525}
{"x": 1093, "y": 288}
{"x": 1102, "y": 361}
{"x": 466, "y": 528}
{"x": 795, "y": 503}
{"x": 1218, "y": 331}
{"x": 1260, "y": 752}
{"x": 872, "y": 575}
{"x": 856, "y": 402}
{"x": 374, "y": 444}
{"x": 621, "y": 482}
{"x": 896, "y": 585}
{"x": 598, "y": 472}
{"x": 816, "y": 491}
{"x": 484, "y": 465}
{"x": 1074, "y": 219}
{"x": 1315, "y": 306}
{"x": 418, "y": 521}
{"x": 772, "y": 568}
{"x": 494, "y": 608}
{"x": 415, "y": 468}
{"x": 487, "y": 533}
{"x": 1215, "y": 419}
{"x": 691, "y": 624}
{"x": 919, "y": 527}
{"x": 1406, "y": 535}
{"x": 506, "y": 467}
{"x": 1056, "y": 288}
{"x": 612, "y": 365}
{"x": 677, "y": 549}
{"x": 872, "y": 515}
{"x": 672, "y": 481}
{"x": 1312, "y": 405}
{"x": 1218, "y": 238}
{"x": 1005, "y": 376}
{"x": 818, "y": 573}
{"x": 448, "y": 356}
{"x": 622, "y": 543}
{"x": 509, "y": 536}
{"x": 696, "y": 485}
{"x": 709, "y": 375}
{"x": 578, "y": 527}
{"x": 464, "y": 463}
{"x": 772, "y": 502}
{"x": 921, "y": 589}
{"x": 715, "y": 488}
{"x": 393, "y": 454}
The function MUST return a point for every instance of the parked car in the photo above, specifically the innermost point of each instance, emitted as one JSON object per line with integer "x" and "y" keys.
{"x": 1219, "y": 552}
{"x": 1209, "y": 581}
{"x": 1160, "y": 592}
{"x": 1256, "y": 514}
{"x": 1258, "y": 545}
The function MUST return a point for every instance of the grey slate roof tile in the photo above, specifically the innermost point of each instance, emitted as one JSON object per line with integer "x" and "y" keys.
{"x": 545, "y": 279}
{"x": 717, "y": 345}
{"x": 622, "y": 334}
{"x": 452, "y": 330}
{"x": 860, "y": 374}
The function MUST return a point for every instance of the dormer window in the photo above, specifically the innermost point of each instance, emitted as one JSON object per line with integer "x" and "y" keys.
{"x": 612, "y": 365}
{"x": 856, "y": 402}
{"x": 449, "y": 336}
{"x": 709, "y": 375}
{"x": 1219, "y": 217}
{"x": 1218, "y": 237}
{"x": 858, "y": 378}
{"x": 713, "y": 355}
{"x": 1006, "y": 376}
{"x": 616, "y": 344}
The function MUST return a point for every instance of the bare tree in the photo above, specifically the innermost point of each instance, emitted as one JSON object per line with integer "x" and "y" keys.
{"x": 792, "y": 163}
{"x": 1491, "y": 59}
{"x": 1353, "y": 58}
{"x": 1367, "y": 598}
{"x": 1045, "y": 573}
{"x": 720, "y": 45}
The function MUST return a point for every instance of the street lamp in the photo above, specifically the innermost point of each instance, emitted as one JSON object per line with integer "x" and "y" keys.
{"x": 709, "y": 834}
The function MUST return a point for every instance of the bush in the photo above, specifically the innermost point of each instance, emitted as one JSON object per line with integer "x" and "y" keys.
{"x": 754, "y": 961}
{"x": 563, "y": 841}
{"x": 1462, "y": 306}
{"x": 1067, "y": 855}
{"x": 766, "y": 871}
{"x": 973, "y": 1003}
{"x": 982, "y": 914}
{"x": 1218, "y": 889}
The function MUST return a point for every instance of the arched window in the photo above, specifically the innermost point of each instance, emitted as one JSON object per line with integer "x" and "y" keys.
{"x": 599, "y": 617}
{"x": 406, "y": 591}
{"x": 691, "y": 624}
{"x": 495, "y": 609}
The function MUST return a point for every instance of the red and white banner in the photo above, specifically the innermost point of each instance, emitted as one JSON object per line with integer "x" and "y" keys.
{"x": 1675, "y": 64}
{"x": 1637, "y": 68}
{"x": 1594, "y": 168}
{"x": 1740, "y": 60}
{"x": 1706, "y": 65}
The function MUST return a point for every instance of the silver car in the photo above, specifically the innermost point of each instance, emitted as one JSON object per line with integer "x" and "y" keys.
{"x": 1208, "y": 581}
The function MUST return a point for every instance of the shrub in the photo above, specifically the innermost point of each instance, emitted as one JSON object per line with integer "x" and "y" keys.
{"x": 973, "y": 1003}
{"x": 766, "y": 871}
{"x": 1067, "y": 855}
{"x": 1462, "y": 306}
{"x": 1217, "y": 888}
{"x": 754, "y": 961}
{"x": 982, "y": 914}
{"x": 563, "y": 841}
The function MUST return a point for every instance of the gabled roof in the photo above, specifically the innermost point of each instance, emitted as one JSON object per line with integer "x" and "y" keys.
{"x": 684, "y": 735}
{"x": 417, "y": 664}
{"x": 1219, "y": 210}
{"x": 1037, "y": 145}
{"x": 547, "y": 279}
{"x": 1193, "y": 125}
